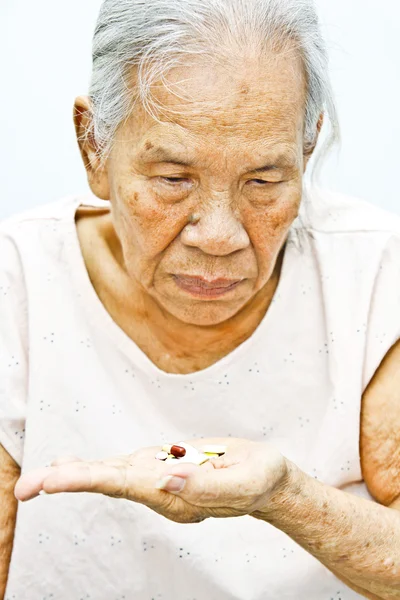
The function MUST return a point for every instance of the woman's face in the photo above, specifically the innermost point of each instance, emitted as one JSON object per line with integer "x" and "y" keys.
{"x": 204, "y": 197}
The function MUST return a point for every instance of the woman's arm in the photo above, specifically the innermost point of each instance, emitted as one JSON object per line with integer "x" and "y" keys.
{"x": 395, "y": 505}
{"x": 9, "y": 474}
{"x": 358, "y": 540}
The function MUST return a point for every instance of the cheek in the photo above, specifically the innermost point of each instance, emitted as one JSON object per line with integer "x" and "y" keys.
{"x": 148, "y": 224}
{"x": 269, "y": 225}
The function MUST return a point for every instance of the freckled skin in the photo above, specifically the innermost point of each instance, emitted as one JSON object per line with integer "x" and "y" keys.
{"x": 225, "y": 124}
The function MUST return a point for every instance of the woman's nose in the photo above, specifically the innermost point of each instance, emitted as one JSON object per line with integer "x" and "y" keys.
{"x": 217, "y": 232}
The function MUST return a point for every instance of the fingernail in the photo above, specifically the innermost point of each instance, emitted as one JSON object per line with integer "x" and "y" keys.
{"x": 171, "y": 484}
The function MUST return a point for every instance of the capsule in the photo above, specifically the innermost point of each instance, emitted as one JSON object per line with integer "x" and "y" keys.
{"x": 175, "y": 450}
{"x": 178, "y": 451}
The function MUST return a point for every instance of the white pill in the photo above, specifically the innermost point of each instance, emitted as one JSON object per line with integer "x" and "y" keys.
{"x": 214, "y": 449}
{"x": 189, "y": 449}
{"x": 162, "y": 455}
{"x": 195, "y": 459}
{"x": 172, "y": 459}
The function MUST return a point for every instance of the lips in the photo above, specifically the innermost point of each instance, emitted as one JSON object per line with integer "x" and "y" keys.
{"x": 199, "y": 286}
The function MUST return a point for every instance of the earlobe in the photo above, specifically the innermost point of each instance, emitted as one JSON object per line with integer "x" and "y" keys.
{"x": 308, "y": 151}
{"x": 95, "y": 169}
{"x": 320, "y": 123}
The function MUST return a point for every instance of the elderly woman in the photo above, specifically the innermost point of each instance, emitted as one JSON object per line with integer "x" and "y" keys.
{"x": 201, "y": 297}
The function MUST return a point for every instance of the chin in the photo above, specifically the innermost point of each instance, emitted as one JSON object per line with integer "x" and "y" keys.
{"x": 203, "y": 314}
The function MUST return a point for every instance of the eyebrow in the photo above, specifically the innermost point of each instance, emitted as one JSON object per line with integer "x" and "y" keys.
{"x": 264, "y": 168}
{"x": 281, "y": 161}
{"x": 164, "y": 155}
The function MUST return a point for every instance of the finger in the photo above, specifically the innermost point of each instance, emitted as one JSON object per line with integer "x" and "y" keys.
{"x": 73, "y": 477}
{"x": 96, "y": 477}
{"x": 30, "y": 484}
{"x": 65, "y": 460}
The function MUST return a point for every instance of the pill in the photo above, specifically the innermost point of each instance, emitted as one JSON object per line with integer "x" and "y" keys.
{"x": 196, "y": 459}
{"x": 178, "y": 451}
{"x": 188, "y": 448}
{"x": 162, "y": 455}
{"x": 214, "y": 449}
{"x": 211, "y": 455}
{"x": 203, "y": 458}
{"x": 172, "y": 459}
{"x": 175, "y": 450}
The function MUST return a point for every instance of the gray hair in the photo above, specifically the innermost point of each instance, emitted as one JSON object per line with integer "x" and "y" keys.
{"x": 156, "y": 35}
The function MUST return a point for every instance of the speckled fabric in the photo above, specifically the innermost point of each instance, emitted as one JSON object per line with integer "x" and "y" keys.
{"x": 71, "y": 382}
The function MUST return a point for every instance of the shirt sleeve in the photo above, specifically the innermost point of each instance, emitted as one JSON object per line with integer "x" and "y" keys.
{"x": 13, "y": 349}
{"x": 383, "y": 327}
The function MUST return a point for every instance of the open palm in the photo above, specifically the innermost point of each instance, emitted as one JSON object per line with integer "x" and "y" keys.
{"x": 238, "y": 483}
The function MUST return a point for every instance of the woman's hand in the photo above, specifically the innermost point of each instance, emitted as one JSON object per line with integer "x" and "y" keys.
{"x": 238, "y": 483}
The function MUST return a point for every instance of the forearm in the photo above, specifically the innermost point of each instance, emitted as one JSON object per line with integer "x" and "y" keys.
{"x": 7, "y": 522}
{"x": 356, "y": 588}
{"x": 356, "y": 539}
{"x": 9, "y": 473}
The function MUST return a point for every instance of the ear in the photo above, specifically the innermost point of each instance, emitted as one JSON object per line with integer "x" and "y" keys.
{"x": 309, "y": 150}
{"x": 97, "y": 172}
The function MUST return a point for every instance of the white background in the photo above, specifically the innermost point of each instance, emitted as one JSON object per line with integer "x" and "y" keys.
{"x": 45, "y": 48}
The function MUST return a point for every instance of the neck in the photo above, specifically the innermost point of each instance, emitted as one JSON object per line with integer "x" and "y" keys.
{"x": 204, "y": 345}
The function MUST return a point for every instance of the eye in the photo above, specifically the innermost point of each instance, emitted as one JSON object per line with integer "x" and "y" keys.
{"x": 174, "y": 180}
{"x": 259, "y": 181}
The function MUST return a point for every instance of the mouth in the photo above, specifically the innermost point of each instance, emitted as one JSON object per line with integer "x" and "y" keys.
{"x": 202, "y": 288}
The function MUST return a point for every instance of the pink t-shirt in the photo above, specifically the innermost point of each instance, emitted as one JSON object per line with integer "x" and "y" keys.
{"x": 71, "y": 382}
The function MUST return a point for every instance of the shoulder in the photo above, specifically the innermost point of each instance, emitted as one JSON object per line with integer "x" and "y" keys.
{"x": 335, "y": 214}
{"x": 43, "y": 216}
{"x": 352, "y": 241}
{"x": 28, "y": 234}
{"x": 31, "y": 244}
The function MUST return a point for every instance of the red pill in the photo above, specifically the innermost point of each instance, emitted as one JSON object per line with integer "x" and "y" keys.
{"x": 178, "y": 451}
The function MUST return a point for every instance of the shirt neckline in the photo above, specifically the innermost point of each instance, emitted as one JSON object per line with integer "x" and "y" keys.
{"x": 98, "y": 315}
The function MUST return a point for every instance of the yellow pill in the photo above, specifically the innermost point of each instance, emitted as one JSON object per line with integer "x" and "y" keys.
{"x": 214, "y": 449}
{"x": 203, "y": 458}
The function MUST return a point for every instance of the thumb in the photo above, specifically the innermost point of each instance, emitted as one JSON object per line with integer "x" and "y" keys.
{"x": 204, "y": 485}
{"x": 176, "y": 480}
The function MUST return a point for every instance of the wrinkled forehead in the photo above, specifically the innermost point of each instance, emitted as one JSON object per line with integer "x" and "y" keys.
{"x": 262, "y": 101}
